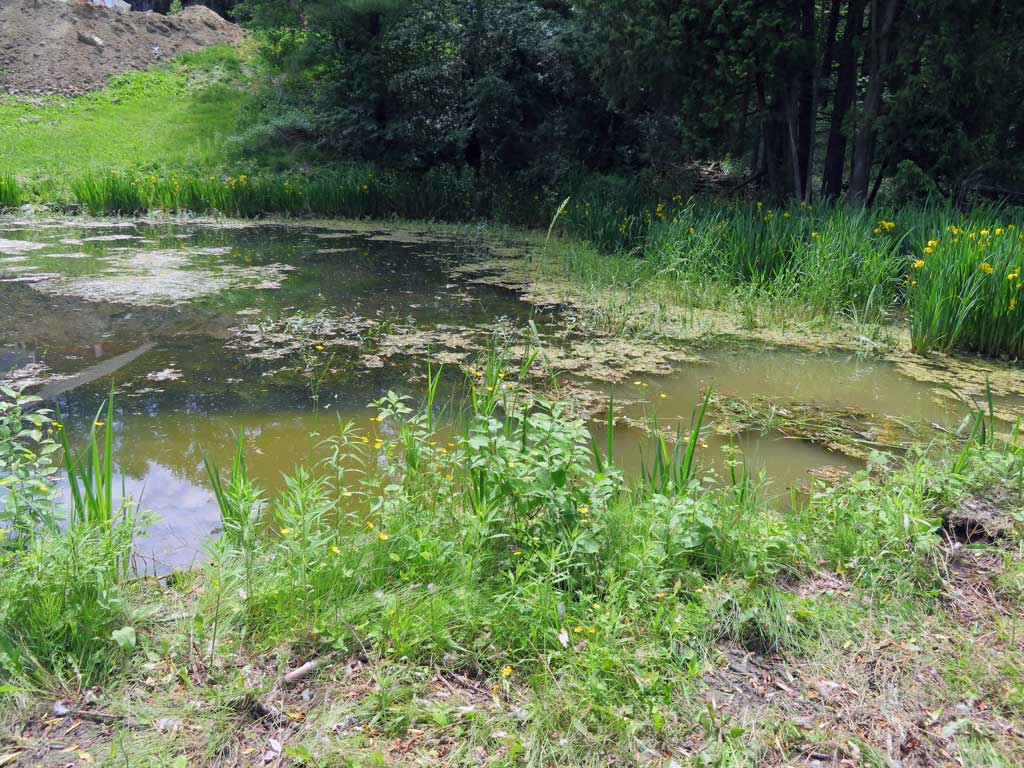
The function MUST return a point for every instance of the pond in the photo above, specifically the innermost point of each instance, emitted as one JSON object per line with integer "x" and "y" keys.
{"x": 207, "y": 330}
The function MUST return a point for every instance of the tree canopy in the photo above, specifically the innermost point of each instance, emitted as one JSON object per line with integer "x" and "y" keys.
{"x": 808, "y": 97}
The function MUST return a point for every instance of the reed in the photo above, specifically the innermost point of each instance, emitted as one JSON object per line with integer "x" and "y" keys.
{"x": 11, "y": 195}
{"x": 965, "y": 289}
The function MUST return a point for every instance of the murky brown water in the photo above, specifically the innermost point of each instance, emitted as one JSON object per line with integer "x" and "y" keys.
{"x": 196, "y": 326}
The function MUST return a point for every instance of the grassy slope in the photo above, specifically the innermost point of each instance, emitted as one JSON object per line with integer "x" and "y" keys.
{"x": 178, "y": 116}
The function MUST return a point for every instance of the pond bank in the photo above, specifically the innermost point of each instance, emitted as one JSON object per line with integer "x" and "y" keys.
{"x": 507, "y": 587}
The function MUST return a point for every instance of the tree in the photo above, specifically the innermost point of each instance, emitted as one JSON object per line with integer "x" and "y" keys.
{"x": 844, "y": 90}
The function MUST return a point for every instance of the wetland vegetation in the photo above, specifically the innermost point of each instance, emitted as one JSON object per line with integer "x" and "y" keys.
{"x": 443, "y": 403}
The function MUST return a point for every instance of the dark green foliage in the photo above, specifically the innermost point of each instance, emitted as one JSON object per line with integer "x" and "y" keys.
{"x": 496, "y": 86}
{"x": 841, "y": 90}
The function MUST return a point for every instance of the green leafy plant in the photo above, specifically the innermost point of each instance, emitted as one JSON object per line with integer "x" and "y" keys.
{"x": 28, "y": 466}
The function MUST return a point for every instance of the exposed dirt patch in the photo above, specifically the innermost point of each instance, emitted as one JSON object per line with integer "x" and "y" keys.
{"x": 983, "y": 519}
{"x": 56, "y": 47}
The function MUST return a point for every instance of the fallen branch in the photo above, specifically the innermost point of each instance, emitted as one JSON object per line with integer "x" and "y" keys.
{"x": 301, "y": 672}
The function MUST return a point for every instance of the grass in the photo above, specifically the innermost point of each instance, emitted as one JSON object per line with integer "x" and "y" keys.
{"x": 177, "y": 116}
{"x": 965, "y": 289}
{"x": 512, "y": 568}
{"x": 351, "y": 194}
{"x": 10, "y": 192}
{"x": 62, "y": 601}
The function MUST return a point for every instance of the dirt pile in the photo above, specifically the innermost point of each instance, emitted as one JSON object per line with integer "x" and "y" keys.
{"x": 72, "y": 46}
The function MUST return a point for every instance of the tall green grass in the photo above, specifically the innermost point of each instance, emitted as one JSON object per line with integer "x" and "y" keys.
{"x": 63, "y": 590}
{"x": 355, "y": 195}
{"x": 957, "y": 274}
{"x": 10, "y": 192}
{"x": 965, "y": 289}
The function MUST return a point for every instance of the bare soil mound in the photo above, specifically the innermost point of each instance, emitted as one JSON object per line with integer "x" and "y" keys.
{"x": 72, "y": 46}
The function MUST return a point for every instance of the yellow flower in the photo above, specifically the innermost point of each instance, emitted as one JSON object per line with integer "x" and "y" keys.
{"x": 335, "y": 550}
{"x": 999, "y": 231}
{"x": 984, "y": 233}
{"x": 369, "y": 524}
{"x": 506, "y": 671}
{"x": 584, "y": 509}
{"x": 815, "y": 235}
{"x": 99, "y": 423}
{"x": 378, "y": 444}
{"x": 1013, "y": 304}
{"x": 383, "y": 536}
{"x": 1013, "y": 275}
{"x": 578, "y": 628}
{"x": 932, "y": 243}
{"x": 929, "y": 250}
{"x": 663, "y": 396}
{"x": 986, "y": 268}
{"x": 43, "y": 489}
{"x": 919, "y": 264}
{"x": 786, "y": 215}
{"x": 319, "y": 347}
{"x": 285, "y": 531}
{"x": 517, "y": 552}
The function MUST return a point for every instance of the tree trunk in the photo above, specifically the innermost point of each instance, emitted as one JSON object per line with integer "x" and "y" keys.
{"x": 820, "y": 84}
{"x": 473, "y": 151}
{"x": 883, "y": 18}
{"x": 846, "y": 86}
{"x": 806, "y": 111}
